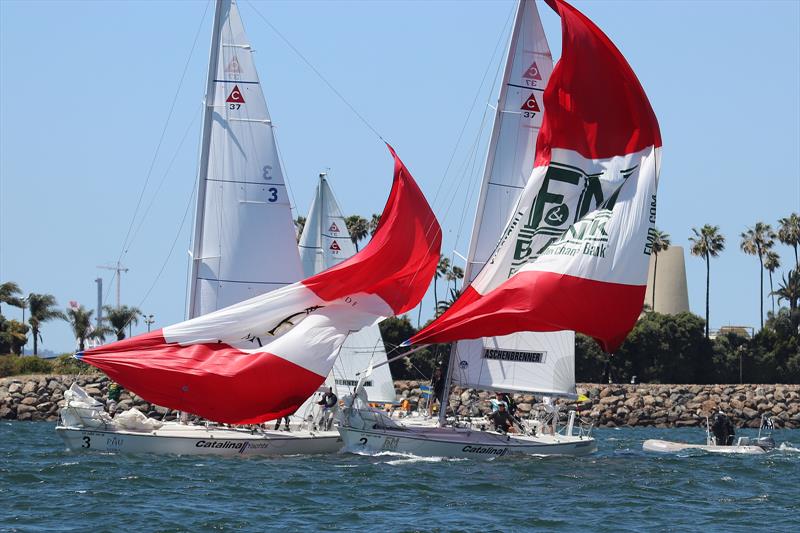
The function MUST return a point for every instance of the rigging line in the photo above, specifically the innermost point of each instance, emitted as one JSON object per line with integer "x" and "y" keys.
{"x": 125, "y": 242}
{"x": 285, "y": 171}
{"x": 317, "y": 72}
{"x": 471, "y": 154}
{"x": 172, "y": 248}
{"x": 160, "y": 142}
{"x": 472, "y": 107}
{"x": 163, "y": 179}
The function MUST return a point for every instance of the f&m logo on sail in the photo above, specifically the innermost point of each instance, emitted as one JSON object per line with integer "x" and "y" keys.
{"x": 559, "y": 213}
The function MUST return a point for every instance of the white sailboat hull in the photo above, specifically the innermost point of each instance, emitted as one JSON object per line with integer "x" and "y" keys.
{"x": 177, "y": 439}
{"x": 665, "y": 446}
{"x": 461, "y": 443}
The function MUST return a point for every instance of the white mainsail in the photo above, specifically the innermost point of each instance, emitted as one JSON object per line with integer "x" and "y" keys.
{"x": 324, "y": 243}
{"x": 244, "y": 240}
{"x": 526, "y": 361}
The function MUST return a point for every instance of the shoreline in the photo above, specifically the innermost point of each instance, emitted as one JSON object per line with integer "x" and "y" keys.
{"x": 39, "y": 398}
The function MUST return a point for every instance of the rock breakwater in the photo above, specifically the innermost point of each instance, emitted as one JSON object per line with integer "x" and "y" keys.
{"x": 40, "y": 397}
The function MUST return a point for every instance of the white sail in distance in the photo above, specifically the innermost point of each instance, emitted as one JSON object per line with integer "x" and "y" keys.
{"x": 244, "y": 239}
{"x": 324, "y": 243}
{"x": 525, "y": 361}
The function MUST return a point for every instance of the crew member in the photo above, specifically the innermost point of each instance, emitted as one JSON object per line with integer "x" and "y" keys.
{"x": 328, "y": 402}
{"x": 722, "y": 428}
{"x": 114, "y": 392}
{"x": 502, "y": 420}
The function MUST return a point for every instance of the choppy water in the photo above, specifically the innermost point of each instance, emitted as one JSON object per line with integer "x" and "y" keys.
{"x": 620, "y": 488}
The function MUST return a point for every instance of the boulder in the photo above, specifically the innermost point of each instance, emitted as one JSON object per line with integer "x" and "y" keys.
{"x": 30, "y": 400}
{"x": 29, "y": 387}
{"x": 749, "y": 413}
{"x": 44, "y": 407}
{"x": 24, "y": 409}
{"x": 14, "y": 387}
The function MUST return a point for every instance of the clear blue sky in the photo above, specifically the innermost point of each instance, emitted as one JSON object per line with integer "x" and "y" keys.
{"x": 86, "y": 88}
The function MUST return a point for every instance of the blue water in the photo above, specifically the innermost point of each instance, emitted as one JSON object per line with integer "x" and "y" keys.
{"x": 620, "y": 488}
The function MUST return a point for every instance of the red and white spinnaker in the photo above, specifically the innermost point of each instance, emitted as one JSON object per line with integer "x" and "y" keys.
{"x": 261, "y": 358}
{"x": 575, "y": 252}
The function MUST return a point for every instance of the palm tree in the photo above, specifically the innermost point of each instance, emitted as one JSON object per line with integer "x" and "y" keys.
{"x": 358, "y": 228}
{"x": 120, "y": 318}
{"x": 373, "y": 224}
{"x": 80, "y": 319}
{"x": 8, "y": 295}
{"x": 442, "y": 270}
{"x": 789, "y": 234}
{"x": 707, "y": 243}
{"x": 457, "y": 274}
{"x": 444, "y": 305}
{"x": 42, "y": 307}
{"x": 757, "y": 241}
{"x": 660, "y": 243}
{"x": 13, "y": 335}
{"x": 772, "y": 262}
{"x": 789, "y": 290}
{"x": 299, "y": 225}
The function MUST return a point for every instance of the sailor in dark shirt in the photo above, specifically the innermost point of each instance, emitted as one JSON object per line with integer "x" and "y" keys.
{"x": 503, "y": 422}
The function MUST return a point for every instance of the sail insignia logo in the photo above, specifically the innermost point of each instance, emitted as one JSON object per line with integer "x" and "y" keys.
{"x": 568, "y": 216}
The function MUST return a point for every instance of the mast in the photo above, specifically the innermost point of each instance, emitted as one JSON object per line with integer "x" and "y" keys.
{"x": 205, "y": 149}
{"x": 487, "y": 172}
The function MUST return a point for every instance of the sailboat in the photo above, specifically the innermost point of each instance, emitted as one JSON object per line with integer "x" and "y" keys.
{"x": 571, "y": 254}
{"x": 243, "y": 246}
{"x": 325, "y": 242}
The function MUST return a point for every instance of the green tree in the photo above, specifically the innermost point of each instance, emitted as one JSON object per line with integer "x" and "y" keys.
{"x": 80, "y": 319}
{"x": 707, "y": 243}
{"x": 374, "y": 223}
{"x": 42, "y": 309}
{"x": 590, "y": 360}
{"x": 358, "y": 227}
{"x": 13, "y": 336}
{"x": 661, "y": 242}
{"x": 8, "y": 295}
{"x": 456, "y": 273}
{"x": 758, "y": 240}
{"x": 120, "y": 318}
{"x": 444, "y": 305}
{"x": 666, "y": 349}
{"x": 299, "y": 226}
{"x": 789, "y": 234}
{"x": 772, "y": 262}
{"x": 442, "y": 271}
{"x": 789, "y": 290}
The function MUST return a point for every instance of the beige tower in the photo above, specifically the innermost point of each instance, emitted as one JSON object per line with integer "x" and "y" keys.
{"x": 672, "y": 295}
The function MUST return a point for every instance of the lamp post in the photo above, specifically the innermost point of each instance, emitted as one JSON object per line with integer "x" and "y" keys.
{"x": 24, "y": 305}
{"x": 149, "y": 320}
{"x": 740, "y": 349}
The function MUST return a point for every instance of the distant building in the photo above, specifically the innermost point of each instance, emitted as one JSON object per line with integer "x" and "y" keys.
{"x": 742, "y": 331}
{"x": 672, "y": 295}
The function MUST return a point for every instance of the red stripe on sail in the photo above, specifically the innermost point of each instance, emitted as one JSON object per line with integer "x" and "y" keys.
{"x": 594, "y": 103}
{"x": 542, "y": 301}
{"x": 400, "y": 259}
{"x": 214, "y": 381}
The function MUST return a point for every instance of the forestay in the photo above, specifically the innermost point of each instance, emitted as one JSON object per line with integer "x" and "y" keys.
{"x": 524, "y": 361}
{"x": 244, "y": 241}
{"x": 325, "y": 242}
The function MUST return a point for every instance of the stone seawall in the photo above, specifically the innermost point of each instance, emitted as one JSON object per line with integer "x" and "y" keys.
{"x": 40, "y": 398}
{"x": 648, "y": 404}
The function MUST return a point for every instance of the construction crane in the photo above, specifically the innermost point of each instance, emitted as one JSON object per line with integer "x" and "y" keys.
{"x": 119, "y": 269}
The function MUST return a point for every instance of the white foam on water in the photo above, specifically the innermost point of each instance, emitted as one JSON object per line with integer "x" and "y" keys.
{"x": 787, "y": 447}
{"x": 408, "y": 458}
